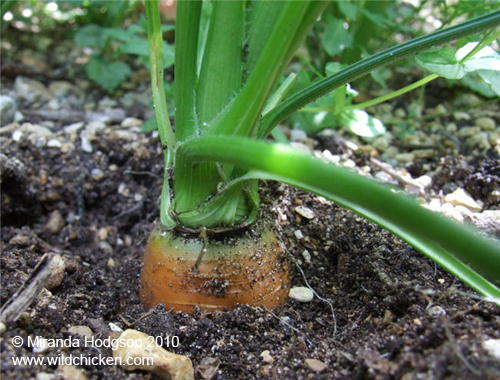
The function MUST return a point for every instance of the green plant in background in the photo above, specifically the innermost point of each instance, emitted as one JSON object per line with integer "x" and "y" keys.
{"x": 350, "y": 30}
{"x": 109, "y": 42}
{"x": 226, "y": 107}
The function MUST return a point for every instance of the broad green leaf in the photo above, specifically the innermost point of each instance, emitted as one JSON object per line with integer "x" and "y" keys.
{"x": 149, "y": 125}
{"x": 119, "y": 34}
{"x": 485, "y": 59}
{"x": 349, "y": 10}
{"x": 336, "y": 37}
{"x": 90, "y": 36}
{"x": 107, "y": 74}
{"x": 492, "y": 77}
{"x": 362, "y": 124}
{"x": 136, "y": 46}
{"x": 477, "y": 84}
{"x": 441, "y": 62}
{"x": 332, "y": 68}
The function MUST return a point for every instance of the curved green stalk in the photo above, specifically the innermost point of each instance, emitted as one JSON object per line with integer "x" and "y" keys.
{"x": 167, "y": 137}
{"x": 458, "y": 249}
{"x": 186, "y": 58}
{"x": 242, "y": 113}
{"x": 155, "y": 44}
{"x": 363, "y": 67}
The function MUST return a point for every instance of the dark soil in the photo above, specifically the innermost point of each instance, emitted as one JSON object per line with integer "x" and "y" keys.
{"x": 385, "y": 312}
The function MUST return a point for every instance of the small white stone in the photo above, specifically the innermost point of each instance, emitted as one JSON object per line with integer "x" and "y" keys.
{"x": 350, "y": 164}
{"x": 449, "y": 210}
{"x": 305, "y": 212}
{"x": 462, "y": 198}
{"x": 97, "y": 174}
{"x": 436, "y": 311}
{"x": 54, "y": 143}
{"x": 73, "y": 128}
{"x": 425, "y": 180}
{"x": 307, "y": 256}
{"x": 492, "y": 346}
{"x": 301, "y": 294}
{"x": 41, "y": 345}
{"x": 298, "y": 234}
{"x": 266, "y": 357}
{"x": 114, "y": 327}
{"x": 17, "y": 135}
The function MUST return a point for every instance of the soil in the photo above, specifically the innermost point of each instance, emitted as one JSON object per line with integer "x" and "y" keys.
{"x": 382, "y": 309}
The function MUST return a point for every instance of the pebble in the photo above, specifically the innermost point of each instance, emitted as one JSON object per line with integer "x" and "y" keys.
{"x": 405, "y": 157}
{"x": 489, "y": 219}
{"x": 41, "y": 345}
{"x": 425, "y": 181}
{"x": 316, "y": 365}
{"x": 449, "y": 210}
{"x": 130, "y": 122}
{"x": 166, "y": 365}
{"x": 424, "y": 153}
{"x": 57, "y": 267}
{"x": 383, "y": 142}
{"x": 307, "y": 256}
{"x": 350, "y": 164}
{"x": 97, "y": 174}
{"x": 485, "y": 123}
{"x": 305, "y": 212}
{"x": 83, "y": 331}
{"x": 435, "y": 311}
{"x": 301, "y": 294}
{"x": 20, "y": 240}
{"x": 55, "y": 223}
{"x": 266, "y": 357}
{"x": 8, "y": 109}
{"x": 45, "y": 376}
{"x": 468, "y": 131}
{"x": 73, "y": 128}
{"x": 3, "y": 328}
{"x": 54, "y": 143}
{"x": 460, "y": 115}
{"x": 298, "y": 234}
{"x": 462, "y": 198}
{"x": 492, "y": 346}
{"x": 388, "y": 317}
{"x": 114, "y": 327}
{"x": 70, "y": 372}
{"x": 31, "y": 90}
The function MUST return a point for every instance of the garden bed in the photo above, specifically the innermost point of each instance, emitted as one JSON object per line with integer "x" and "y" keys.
{"x": 90, "y": 192}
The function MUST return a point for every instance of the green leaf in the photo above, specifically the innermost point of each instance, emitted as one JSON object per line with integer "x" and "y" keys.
{"x": 332, "y": 68}
{"x": 485, "y": 59}
{"x": 362, "y": 124}
{"x": 149, "y": 125}
{"x": 477, "y": 84}
{"x": 492, "y": 77}
{"x": 107, "y": 74}
{"x": 336, "y": 37}
{"x": 90, "y": 36}
{"x": 119, "y": 34}
{"x": 441, "y": 62}
{"x": 349, "y": 10}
